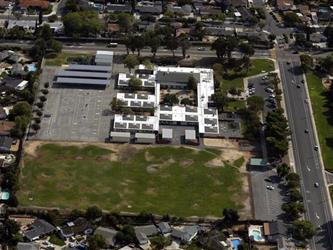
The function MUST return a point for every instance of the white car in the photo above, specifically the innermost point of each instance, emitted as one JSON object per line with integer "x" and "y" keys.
{"x": 270, "y": 187}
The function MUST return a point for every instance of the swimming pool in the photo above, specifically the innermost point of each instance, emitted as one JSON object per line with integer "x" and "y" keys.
{"x": 256, "y": 234}
{"x": 235, "y": 243}
{"x": 32, "y": 67}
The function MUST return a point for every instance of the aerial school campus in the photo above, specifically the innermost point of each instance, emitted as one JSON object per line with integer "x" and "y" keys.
{"x": 154, "y": 125}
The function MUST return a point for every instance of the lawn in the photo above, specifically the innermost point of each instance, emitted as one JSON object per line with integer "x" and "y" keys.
{"x": 62, "y": 57}
{"x": 236, "y": 79}
{"x": 323, "y": 123}
{"x": 235, "y": 105}
{"x": 162, "y": 180}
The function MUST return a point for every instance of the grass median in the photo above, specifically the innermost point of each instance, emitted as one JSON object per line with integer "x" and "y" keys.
{"x": 163, "y": 180}
{"x": 322, "y": 118}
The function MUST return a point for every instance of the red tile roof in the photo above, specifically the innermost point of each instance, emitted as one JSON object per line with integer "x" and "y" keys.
{"x": 43, "y": 4}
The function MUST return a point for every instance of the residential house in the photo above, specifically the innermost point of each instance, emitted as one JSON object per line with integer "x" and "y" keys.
{"x": 27, "y": 246}
{"x": 33, "y": 4}
{"x": 5, "y": 143}
{"x": 205, "y": 10}
{"x": 184, "y": 10}
{"x": 164, "y": 227}
{"x": 275, "y": 230}
{"x": 152, "y": 8}
{"x": 3, "y": 114}
{"x": 4, "y": 5}
{"x": 185, "y": 234}
{"x": 143, "y": 232}
{"x": 38, "y": 229}
{"x": 119, "y": 8}
{"x": 4, "y": 55}
{"x": 284, "y": 5}
{"x": 324, "y": 14}
{"x": 27, "y": 25}
{"x": 6, "y": 127}
{"x": 76, "y": 227}
{"x": 108, "y": 234}
{"x": 18, "y": 70}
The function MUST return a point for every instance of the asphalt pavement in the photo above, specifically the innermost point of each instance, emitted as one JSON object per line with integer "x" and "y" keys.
{"x": 307, "y": 159}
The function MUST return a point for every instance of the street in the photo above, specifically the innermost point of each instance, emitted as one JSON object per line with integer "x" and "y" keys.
{"x": 307, "y": 161}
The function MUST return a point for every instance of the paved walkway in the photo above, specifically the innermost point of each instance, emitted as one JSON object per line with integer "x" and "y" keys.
{"x": 329, "y": 178}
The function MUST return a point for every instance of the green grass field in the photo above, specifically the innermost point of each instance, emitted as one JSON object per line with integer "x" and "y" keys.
{"x": 324, "y": 127}
{"x": 233, "y": 106}
{"x": 61, "y": 58}
{"x": 236, "y": 80}
{"x": 162, "y": 180}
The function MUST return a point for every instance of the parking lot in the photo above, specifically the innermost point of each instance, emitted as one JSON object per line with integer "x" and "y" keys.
{"x": 267, "y": 200}
{"x": 261, "y": 88}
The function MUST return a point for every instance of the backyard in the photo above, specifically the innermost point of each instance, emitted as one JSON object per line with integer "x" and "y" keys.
{"x": 323, "y": 123}
{"x": 164, "y": 180}
{"x": 64, "y": 57}
{"x": 235, "y": 80}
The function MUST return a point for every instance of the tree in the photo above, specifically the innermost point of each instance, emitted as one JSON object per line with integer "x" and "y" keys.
{"x": 295, "y": 195}
{"x": 246, "y": 49}
{"x": 327, "y": 64}
{"x": 186, "y": 101}
{"x": 185, "y": 44}
{"x": 42, "y": 98}
{"x": 220, "y": 100}
{"x": 192, "y": 83}
{"x": 131, "y": 61}
{"x": 138, "y": 43}
{"x": 83, "y": 23}
{"x": 219, "y": 47}
{"x": 277, "y": 133}
{"x": 291, "y": 19}
{"x": 283, "y": 170}
{"x": 154, "y": 43}
{"x": 125, "y": 21}
{"x": 126, "y": 235}
{"x": 35, "y": 126}
{"x": 93, "y": 213}
{"x": 9, "y": 232}
{"x": 172, "y": 44}
{"x": 293, "y": 177}
{"x": 160, "y": 242}
{"x": 170, "y": 99}
{"x": 21, "y": 109}
{"x": 307, "y": 62}
{"x": 40, "y": 17}
{"x": 271, "y": 37}
{"x": 329, "y": 34}
{"x": 135, "y": 83}
{"x": 303, "y": 230}
{"x": 230, "y": 216}
{"x": 293, "y": 209}
{"x": 255, "y": 103}
{"x": 96, "y": 242}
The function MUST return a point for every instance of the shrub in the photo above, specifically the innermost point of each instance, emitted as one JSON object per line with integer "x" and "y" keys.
{"x": 45, "y": 91}
{"x": 42, "y": 98}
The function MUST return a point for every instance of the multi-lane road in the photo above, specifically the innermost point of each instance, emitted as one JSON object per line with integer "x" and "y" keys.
{"x": 307, "y": 160}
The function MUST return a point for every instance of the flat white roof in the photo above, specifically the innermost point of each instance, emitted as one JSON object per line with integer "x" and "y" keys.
{"x": 120, "y": 134}
{"x": 207, "y": 118}
{"x": 145, "y": 135}
{"x": 190, "y": 134}
{"x": 136, "y": 122}
{"x": 104, "y": 52}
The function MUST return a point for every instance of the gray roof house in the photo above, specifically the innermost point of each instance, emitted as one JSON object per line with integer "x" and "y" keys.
{"x": 164, "y": 227}
{"x": 143, "y": 232}
{"x": 27, "y": 246}
{"x": 78, "y": 226}
{"x": 39, "y": 228}
{"x": 186, "y": 234}
{"x": 5, "y": 143}
{"x": 108, "y": 234}
{"x": 275, "y": 230}
{"x": 153, "y": 8}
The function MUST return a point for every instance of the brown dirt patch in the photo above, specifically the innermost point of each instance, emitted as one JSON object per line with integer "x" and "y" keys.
{"x": 186, "y": 163}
